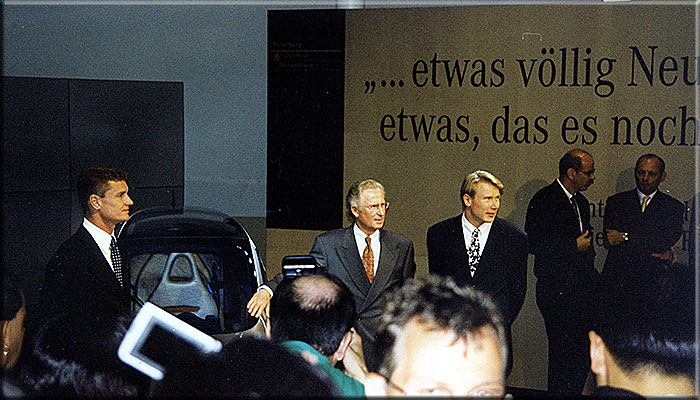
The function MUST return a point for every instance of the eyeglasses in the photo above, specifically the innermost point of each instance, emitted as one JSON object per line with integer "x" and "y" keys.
{"x": 589, "y": 173}
{"x": 374, "y": 208}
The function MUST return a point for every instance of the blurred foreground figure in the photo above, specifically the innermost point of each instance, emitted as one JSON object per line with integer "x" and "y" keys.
{"x": 649, "y": 351}
{"x": 246, "y": 367}
{"x": 76, "y": 356}
{"x": 12, "y": 334}
{"x": 313, "y": 316}
{"x": 441, "y": 340}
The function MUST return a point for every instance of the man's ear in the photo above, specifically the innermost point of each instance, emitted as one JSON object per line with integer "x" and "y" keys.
{"x": 355, "y": 211}
{"x": 95, "y": 202}
{"x": 598, "y": 361}
{"x": 376, "y": 385}
{"x": 343, "y": 347}
{"x": 663, "y": 177}
{"x": 467, "y": 200}
{"x": 571, "y": 174}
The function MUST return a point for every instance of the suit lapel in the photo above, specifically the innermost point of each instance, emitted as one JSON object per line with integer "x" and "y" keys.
{"x": 101, "y": 270}
{"x": 350, "y": 257}
{"x": 571, "y": 219}
{"x": 458, "y": 246}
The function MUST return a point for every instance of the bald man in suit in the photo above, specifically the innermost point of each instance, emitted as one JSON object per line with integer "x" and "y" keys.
{"x": 559, "y": 235}
{"x": 641, "y": 226}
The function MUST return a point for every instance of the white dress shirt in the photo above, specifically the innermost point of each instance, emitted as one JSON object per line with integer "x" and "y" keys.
{"x": 468, "y": 231}
{"x": 102, "y": 238}
{"x": 641, "y": 195}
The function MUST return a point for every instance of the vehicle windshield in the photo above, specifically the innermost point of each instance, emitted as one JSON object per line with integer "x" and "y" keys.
{"x": 205, "y": 288}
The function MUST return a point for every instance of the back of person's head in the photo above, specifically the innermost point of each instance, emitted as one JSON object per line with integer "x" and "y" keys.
{"x": 656, "y": 337}
{"x": 316, "y": 309}
{"x": 441, "y": 304}
{"x": 93, "y": 180}
{"x": 12, "y": 319}
{"x": 76, "y": 355}
{"x": 246, "y": 367}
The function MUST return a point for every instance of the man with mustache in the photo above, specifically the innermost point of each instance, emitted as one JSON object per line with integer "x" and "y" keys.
{"x": 559, "y": 235}
{"x": 641, "y": 225}
{"x": 85, "y": 274}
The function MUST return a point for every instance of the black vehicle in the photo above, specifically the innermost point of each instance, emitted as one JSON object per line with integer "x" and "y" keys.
{"x": 198, "y": 264}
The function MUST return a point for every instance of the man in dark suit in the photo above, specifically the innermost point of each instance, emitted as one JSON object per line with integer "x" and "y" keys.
{"x": 367, "y": 258}
{"x": 558, "y": 228}
{"x": 84, "y": 276}
{"x": 641, "y": 225}
{"x": 498, "y": 264}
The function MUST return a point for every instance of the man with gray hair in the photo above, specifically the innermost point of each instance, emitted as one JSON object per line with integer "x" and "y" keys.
{"x": 440, "y": 339}
{"x": 365, "y": 257}
{"x": 480, "y": 250}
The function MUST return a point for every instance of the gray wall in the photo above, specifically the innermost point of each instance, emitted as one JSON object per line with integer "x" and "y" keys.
{"x": 217, "y": 51}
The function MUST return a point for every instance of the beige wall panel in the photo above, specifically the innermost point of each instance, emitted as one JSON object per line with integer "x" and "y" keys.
{"x": 422, "y": 177}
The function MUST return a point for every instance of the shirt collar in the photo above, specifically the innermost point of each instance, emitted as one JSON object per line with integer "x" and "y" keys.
{"x": 97, "y": 233}
{"x": 102, "y": 238}
{"x": 484, "y": 229}
{"x": 568, "y": 195}
{"x": 641, "y": 195}
{"x": 358, "y": 233}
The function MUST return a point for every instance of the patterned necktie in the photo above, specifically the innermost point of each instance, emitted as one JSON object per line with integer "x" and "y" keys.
{"x": 368, "y": 259}
{"x": 473, "y": 252}
{"x": 645, "y": 202}
{"x": 116, "y": 260}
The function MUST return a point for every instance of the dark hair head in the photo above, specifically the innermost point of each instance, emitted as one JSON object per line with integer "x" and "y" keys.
{"x": 94, "y": 180}
{"x": 657, "y": 334}
{"x": 75, "y": 355}
{"x": 440, "y": 303}
{"x": 12, "y": 298}
{"x": 662, "y": 164}
{"x": 572, "y": 159}
{"x": 315, "y": 309}
{"x": 353, "y": 196}
{"x": 246, "y": 367}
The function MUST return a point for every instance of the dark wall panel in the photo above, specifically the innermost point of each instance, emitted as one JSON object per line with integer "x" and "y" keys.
{"x": 306, "y": 58}
{"x": 54, "y": 128}
{"x": 136, "y": 126}
{"x": 36, "y": 140}
{"x": 34, "y": 226}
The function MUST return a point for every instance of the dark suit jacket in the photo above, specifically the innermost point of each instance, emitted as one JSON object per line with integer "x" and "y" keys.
{"x": 552, "y": 228}
{"x": 655, "y": 230}
{"x": 337, "y": 251}
{"x": 502, "y": 270}
{"x": 79, "y": 279}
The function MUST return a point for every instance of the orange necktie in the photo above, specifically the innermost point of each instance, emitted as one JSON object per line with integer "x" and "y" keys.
{"x": 368, "y": 259}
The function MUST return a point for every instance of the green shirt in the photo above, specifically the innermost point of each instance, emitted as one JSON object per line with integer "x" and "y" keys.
{"x": 348, "y": 386}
